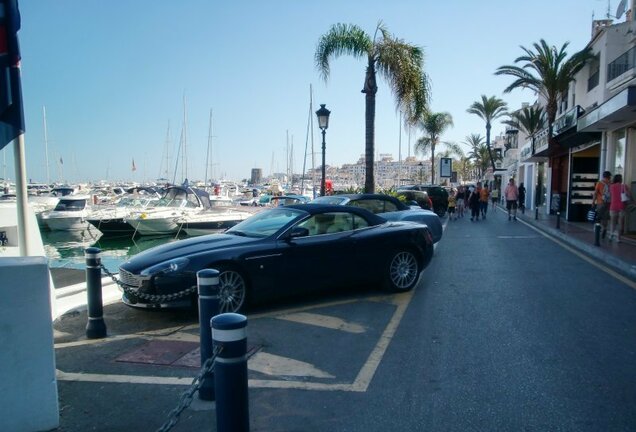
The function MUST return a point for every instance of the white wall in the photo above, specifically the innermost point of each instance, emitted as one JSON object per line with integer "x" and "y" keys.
{"x": 28, "y": 387}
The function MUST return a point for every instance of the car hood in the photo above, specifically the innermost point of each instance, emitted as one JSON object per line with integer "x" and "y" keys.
{"x": 184, "y": 248}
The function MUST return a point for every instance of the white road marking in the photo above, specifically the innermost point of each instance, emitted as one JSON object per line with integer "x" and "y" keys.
{"x": 325, "y": 321}
{"x": 516, "y": 237}
{"x": 271, "y": 364}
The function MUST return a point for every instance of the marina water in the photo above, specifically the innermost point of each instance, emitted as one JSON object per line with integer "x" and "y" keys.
{"x": 65, "y": 249}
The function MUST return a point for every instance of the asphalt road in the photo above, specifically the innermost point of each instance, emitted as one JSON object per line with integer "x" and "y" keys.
{"x": 507, "y": 331}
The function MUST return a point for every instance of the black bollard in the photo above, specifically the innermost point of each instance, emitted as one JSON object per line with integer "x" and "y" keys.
{"x": 208, "y": 286}
{"x": 558, "y": 226}
{"x": 597, "y": 234}
{"x": 229, "y": 332}
{"x": 96, "y": 327}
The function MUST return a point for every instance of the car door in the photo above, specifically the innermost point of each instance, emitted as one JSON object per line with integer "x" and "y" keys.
{"x": 325, "y": 257}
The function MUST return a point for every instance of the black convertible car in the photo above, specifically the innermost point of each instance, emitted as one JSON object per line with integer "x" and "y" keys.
{"x": 280, "y": 252}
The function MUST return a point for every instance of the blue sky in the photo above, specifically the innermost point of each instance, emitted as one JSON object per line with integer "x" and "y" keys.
{"x": 113, "y": 76}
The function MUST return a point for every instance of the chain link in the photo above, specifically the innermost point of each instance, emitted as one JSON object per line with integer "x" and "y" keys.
{"x": 188, "y": 395}
{"x": 155, "y": 298}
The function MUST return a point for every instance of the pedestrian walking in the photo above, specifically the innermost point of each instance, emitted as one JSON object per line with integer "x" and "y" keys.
{"x": 494, "y": 196}
{"x": 522, "y": 198}
{"x": 484, "y": 196}
{"x": 602, "y": 201}
{"x": 511, "y": 193}
{"x": 473, "y": 202}
{"x": 461, "y": 199}
{"x": 619, "y": 199}
{"x": 452, "y": 202}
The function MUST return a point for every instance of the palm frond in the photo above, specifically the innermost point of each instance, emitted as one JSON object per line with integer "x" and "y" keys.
{"x": 341, "y": 39}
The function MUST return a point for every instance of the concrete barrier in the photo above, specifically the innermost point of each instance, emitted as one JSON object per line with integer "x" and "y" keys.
{"x": 27, "y": 358}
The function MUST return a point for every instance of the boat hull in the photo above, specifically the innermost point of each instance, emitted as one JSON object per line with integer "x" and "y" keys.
{"x": 69, "y": 223}
{"x": 113, "y": 227}
{"x": 153, "y": 226}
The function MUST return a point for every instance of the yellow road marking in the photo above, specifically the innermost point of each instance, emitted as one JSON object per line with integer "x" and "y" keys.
{"x": 325, "y": 321}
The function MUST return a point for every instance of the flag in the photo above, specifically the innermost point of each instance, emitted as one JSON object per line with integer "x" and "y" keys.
{"x": 61, "y": 161}
{"x": 11, "y": 111}
{"x": 134, "y": 168}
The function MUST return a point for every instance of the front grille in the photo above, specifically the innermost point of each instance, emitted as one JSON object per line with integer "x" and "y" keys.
{"x": 127, "y": 278}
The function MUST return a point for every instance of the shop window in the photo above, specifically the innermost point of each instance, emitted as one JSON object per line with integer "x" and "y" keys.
{"x": 619, "y": 151}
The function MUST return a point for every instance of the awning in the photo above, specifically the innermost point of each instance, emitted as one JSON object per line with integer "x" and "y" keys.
{"x": 617, "y": 112}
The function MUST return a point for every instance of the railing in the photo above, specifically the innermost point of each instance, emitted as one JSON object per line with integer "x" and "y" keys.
{"x": 622, "y": 64}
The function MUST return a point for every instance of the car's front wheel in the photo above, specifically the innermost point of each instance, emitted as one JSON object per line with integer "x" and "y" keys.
{"x": 403, "y": 271}
{"x": 232, "y": 290}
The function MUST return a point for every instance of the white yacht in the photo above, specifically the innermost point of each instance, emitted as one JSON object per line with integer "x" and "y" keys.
{"x": 163, "y": 219}
{"x": 69, "y": 214}
{"x": 111, "y": 219}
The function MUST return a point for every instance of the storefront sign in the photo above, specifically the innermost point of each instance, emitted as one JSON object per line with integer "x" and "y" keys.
{"x": 566, "y": 121}
{"x": 526, "y": 151}
{"x": 541, "y": 141}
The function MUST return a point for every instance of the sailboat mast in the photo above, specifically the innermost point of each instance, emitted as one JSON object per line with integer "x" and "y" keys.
{"x": 185, "y": 141}
{"x": 287, "y": 157}
{"x": 313, "y": 155}
{"x": 46, "y": 147}
{"x": 207, "y": 155}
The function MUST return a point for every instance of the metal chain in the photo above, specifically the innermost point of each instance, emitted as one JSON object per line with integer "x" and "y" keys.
{"x": 155, "y": 298}
{"x": 188, "y": 395}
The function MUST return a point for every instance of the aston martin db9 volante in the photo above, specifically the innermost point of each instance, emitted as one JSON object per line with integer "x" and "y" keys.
{"x": 390, "y": 208}
{"x": 281, "y": 252}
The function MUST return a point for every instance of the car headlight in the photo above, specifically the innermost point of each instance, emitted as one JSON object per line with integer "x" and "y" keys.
{"x": 166, "y": 267}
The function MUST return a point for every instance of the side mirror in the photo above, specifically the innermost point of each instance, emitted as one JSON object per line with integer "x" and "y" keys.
{"x": 298, "y": 232}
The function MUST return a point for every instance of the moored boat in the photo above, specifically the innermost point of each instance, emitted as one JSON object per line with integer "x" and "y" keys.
{"x": 68, "y": 215}
{"x": 163, "y": 219}
{"x": 211, "y": 221}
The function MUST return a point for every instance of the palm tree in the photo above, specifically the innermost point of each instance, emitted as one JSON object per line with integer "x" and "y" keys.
{"x": 398, "y": 62}
{"x": 478, "y": 152}
{"x": 434, "y": 125}
{"x": 481, "y": 156}
{"x": 530, "y": 120}
{"x": 489, "y": 109}
{"x": 548, "y": 72}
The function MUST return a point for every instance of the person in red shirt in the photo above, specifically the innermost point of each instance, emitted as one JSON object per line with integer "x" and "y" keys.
{"x": 602, "y": 201}
{"x": 619, "y": 198}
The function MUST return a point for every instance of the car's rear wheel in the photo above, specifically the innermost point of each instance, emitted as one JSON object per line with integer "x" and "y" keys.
{"x": 232, "y": 290}
{"x": 403, "y": 271}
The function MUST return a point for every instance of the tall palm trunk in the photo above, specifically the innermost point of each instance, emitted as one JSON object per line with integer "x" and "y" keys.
{"x": 433, "y": 163}
{"x": 492, "y": 161}
{"x": 370, "y": 90}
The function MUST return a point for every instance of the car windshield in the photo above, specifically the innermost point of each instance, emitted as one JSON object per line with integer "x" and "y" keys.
{"x": 265, "y": 223}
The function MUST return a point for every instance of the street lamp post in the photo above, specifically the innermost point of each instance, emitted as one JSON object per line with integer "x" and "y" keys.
{"x": 323, "y": 124}
{"x": 421, "y": 165}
